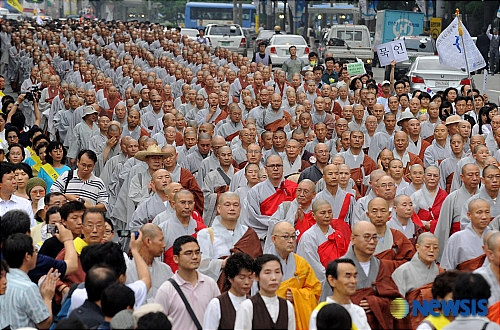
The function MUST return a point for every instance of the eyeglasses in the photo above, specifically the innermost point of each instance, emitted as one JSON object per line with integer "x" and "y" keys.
{"x": 287, "y": 237}
{"x": 387, "y": 185}
{"x": 368, "y": 237}
{"x": 274, "y": 165}
{"x": 108, "y": 232}
{"x": 92, "y": 226}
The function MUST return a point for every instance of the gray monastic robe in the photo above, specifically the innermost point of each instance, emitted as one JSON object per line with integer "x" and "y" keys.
{"x": 408, "y": 230}
{"x": 492, "y": 280}
{"x": 451, "y": 211}
{"x": 212, "y": 181}
{"x": 308, "y": 249}
{"x": 494, "y": 206}
{"x": 462, "y": 246}
{"x": 414, "y": 274}
{"x": 147, "y": 211}
{"x": 336, "y": 203}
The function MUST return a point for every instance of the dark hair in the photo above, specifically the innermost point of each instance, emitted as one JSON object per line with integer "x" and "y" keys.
{"x": 52, "y": 210}
{"x": 92, "y": 210}
{"x": 449, "y": 89}
{"x": 18, "y": 120}
{"x": 40, "y": 137}
{"x": 180, "y": 241}
{"x": 23, "y": 166}
{"x": 472, "y": 287}
{"x": 236, "y": 263}
{"x": 437, "y": 96}
{"x": 97, "y": 279}
{"x": 333, "y": 316}
{"x": 318, "y": 68}
{"x": 14, "y": 222}
{"x": 398, "y": 83}
{"x": 330, "y": 58}
{"x": 72, "y": 323}
{"x": 16, "y": 145}
{"x": 41, "y": 145}
{"x": 90, "y": 154}
{"x": 12, "y": 129}
{"x": 3, "y": 266}
{"x": 332, "y": 267}
{"x": 444, "y": 283}
{"x": 424, "y": 95}
{"x": 53, "y": 145}
{"x": 15, "y": 247}
{"x": 70, "y": 207}
{"x": 265, "y": 258}
{"x": 484, "y": 111}
{"x": 115, "y": 298}
{"x": 460, "y": 98}
{"x": 48, "y": 197}
{"x": 443, "y": 114}
{"x": 108, "y": 253}
{"x": 33, "y": 131}
{"x": 109, "y": 222}
{"x": 6, "y": 168}
{"x": 352, "y": 85}
{"x": 157, "y": 320}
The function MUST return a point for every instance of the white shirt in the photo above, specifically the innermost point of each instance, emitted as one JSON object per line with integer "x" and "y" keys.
{"x": 211, "y": 319}
{"x": 357, "y": 313}
{"x": 17, "y": 203}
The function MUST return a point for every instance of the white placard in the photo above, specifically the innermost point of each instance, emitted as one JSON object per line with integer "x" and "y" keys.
{"x": 394, "y": 50}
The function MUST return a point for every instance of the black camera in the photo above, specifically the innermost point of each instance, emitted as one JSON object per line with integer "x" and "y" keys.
{"x": 127, "y": 233}
{"x": 33, "y": 94}
{"x": 52, "y": 229}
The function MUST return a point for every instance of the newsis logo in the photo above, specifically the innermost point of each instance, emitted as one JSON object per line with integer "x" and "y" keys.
{"x": 400, "y": 308}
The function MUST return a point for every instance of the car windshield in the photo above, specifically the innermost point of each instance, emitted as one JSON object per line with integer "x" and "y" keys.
{"x": 415, "y": 45}
{"x": 265, "y": 34}
{"x": 220, "y": 30}
{"x": 191, "y": 33}
{"x": 288, "y": 41}
{"x": 433, "y": 65}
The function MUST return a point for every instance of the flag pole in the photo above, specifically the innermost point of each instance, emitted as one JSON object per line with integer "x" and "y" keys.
{"x": 461, "y": 34}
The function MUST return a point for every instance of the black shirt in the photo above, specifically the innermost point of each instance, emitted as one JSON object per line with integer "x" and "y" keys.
{"x": 51, "y": 247}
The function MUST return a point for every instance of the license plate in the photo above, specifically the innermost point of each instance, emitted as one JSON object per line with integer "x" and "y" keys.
{"x": 225, "y": 43}
{"x": 442, "y": 83}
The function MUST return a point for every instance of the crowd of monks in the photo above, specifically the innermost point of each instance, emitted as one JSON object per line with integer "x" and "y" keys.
{"x": 312, "y": 170}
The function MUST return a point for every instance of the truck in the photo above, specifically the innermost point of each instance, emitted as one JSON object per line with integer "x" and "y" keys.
{"x": 393, "y": 24}
{"x": 350, "y": 42}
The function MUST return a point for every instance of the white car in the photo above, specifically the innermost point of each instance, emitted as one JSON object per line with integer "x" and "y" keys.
{"x": 230, "y": 37}
{"x": 278, "y": 48}
{"x": 192, "y": 33}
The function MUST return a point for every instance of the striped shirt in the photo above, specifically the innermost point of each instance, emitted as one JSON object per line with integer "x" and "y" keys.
{"x": 93, "y": 190}
{"x": 22, "y": 305}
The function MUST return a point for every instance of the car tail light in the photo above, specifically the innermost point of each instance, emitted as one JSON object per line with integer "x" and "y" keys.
{"x": 243, "y": 42}
{"x": 465, "y": 81}
{"x": 417, "y": 79}
{"x": 273, "y": 50}
{"x": 436, "y": 52}
{"x": 307, "y": 50}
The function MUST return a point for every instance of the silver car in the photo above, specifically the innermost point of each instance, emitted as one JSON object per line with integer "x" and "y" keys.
{"x": 192, "y": 33}
{"x": 279, "y": 44}
{"x": 426, "y": 72}
{"x": 230, "y": 37}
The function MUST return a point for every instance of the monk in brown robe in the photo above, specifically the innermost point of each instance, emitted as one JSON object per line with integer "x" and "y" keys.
{"x": 393, "y": 248}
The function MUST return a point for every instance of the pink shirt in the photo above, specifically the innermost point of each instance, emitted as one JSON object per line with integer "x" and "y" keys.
{"x": 198, "y": 297}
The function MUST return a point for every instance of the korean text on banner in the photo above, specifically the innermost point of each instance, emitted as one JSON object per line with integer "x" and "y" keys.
{"x": 392, "y": 51}
{"x": 15, "y": 4}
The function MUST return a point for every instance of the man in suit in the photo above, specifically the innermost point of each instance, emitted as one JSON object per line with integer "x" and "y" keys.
{"x": 483, "y": 44}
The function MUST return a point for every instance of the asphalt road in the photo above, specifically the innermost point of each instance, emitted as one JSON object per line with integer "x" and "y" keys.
{"x": 492, "y": 85}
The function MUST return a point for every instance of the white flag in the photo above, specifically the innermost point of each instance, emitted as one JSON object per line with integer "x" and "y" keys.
{"x": 452, "y": 49}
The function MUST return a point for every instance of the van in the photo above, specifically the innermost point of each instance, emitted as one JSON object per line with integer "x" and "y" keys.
{"x": 350, "y": 42}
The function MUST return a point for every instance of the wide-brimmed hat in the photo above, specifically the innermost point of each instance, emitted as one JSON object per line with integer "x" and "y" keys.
{"x": 453, "y": 120}
{"x": 406, "y": 115}
{"x": 153, "y": 150}
{"x": 88, "y": 110}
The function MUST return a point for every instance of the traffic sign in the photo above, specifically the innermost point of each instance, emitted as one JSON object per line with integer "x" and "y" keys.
{"x": 436, "y": 26}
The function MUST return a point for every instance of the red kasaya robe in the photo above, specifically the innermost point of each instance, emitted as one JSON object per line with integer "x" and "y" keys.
{"x": 168, "y": 255}
{"x": 432, "y": 214}
{"x": 472, "y": 264}
{"x": 285, "y": 193}
{"x": 357, "y": 174}
{"x": 188, "y": 182}
{"x": 337, "y": 243}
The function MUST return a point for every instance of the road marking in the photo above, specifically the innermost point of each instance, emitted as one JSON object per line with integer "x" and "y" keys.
{"x": 492, "y": 90}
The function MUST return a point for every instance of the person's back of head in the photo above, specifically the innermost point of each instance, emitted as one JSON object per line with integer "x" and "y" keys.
{"x": 115, "y": 298}
{"x": 14, "y": 222}
{"x": 108, "y": 253}
{"x": 73, "y": 323}
{"x": 97, "y": 280}
{"x": 333, "y": 316}
{"x": 15, "y": 249}
{"x": 157, "y": 320}
{"x": 470, "y": 286}
{"x": 444, "y": 283}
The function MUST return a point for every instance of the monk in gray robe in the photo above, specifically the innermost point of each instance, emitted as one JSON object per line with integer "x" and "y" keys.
{"x": 210, "y": 163}
{"x": 451, "y": 210}
{"x": 466, "y": 244}
{"x": 217, "y": 182}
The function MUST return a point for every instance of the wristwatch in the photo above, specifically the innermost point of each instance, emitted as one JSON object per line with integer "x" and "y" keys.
{"x": 81, "y": 200}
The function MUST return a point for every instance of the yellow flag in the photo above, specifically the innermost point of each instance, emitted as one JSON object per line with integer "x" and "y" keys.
{"x": 15, "y": 4}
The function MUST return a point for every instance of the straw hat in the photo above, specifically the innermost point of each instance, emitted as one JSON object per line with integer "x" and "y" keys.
{"x": 153, "y": 150}
{"x": 406, "y": 115}
{"x": 453, "y": 120}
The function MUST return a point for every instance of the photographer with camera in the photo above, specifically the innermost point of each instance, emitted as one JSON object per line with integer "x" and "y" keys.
{"x": 30, "y": 87}
{"x": 17, "y": 119}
